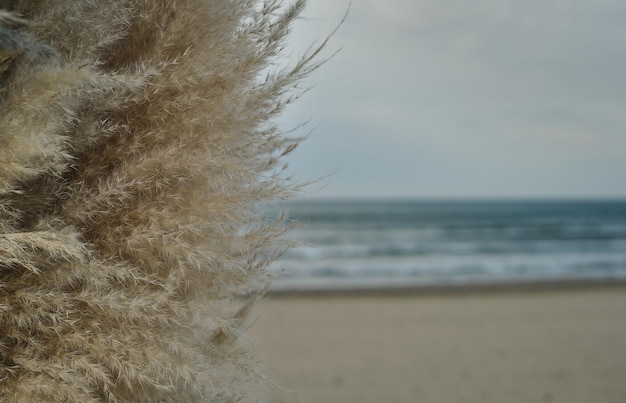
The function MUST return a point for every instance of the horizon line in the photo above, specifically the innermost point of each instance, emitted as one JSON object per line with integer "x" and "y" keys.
{"x": 339, "y": 198}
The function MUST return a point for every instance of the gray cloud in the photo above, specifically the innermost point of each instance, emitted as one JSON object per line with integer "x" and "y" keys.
{"x": 458, "y": 99}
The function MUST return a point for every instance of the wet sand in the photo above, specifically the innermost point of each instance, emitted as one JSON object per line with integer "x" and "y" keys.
{"x": 550, "y": 345}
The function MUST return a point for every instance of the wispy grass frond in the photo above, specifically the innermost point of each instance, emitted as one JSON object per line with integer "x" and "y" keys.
{"x": 137, "y": 151}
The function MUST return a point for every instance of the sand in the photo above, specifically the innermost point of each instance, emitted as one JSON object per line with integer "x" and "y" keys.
{"x": 566, "y": 345}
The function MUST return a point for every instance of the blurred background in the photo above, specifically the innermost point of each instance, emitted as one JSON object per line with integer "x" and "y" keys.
{"x": 462, "y": 146}
{"x": 461, "y": 141}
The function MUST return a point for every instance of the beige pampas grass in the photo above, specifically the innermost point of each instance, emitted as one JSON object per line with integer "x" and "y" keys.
{"x": 136, "y": 152}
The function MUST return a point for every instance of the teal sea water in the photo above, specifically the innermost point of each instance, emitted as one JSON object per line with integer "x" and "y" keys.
{"x": 397, "y": 242}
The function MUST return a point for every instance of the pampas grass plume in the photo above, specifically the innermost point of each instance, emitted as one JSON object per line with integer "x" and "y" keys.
{"x": 137, "y": 151}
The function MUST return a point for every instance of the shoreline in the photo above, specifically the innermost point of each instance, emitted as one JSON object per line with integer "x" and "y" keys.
{"x": 409, "y": 287}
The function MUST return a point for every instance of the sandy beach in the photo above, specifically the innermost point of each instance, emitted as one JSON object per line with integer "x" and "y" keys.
{"x": 551, "y": 345}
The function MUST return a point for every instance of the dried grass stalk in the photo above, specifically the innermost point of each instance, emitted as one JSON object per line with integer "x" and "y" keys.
{"x": 136, "y": 148}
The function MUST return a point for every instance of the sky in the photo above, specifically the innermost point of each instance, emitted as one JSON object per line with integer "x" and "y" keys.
{"x": 463, "y": 99}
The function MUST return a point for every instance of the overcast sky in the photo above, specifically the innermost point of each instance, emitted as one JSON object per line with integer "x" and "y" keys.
{"x": 457, "y": 99}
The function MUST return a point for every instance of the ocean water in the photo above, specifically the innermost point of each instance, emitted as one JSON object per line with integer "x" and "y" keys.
{"x": 382, "y": 243}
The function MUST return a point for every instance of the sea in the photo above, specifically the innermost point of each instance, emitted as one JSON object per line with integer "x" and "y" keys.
{"x": 398, "y": 243}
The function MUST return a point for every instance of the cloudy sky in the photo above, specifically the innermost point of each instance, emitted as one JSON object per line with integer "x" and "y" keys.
{"x": 465, "y": 99}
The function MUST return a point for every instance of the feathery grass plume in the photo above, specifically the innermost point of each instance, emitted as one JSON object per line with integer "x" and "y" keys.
{"x": 136, "y": 148}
